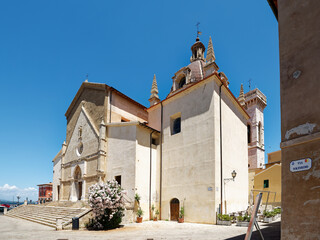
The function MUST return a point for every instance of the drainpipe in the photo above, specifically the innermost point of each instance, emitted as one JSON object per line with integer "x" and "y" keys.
{"x": 161, "y": 137}
{"x": 110, "y": 99}
{"x": 221, "y": 174}
{"x": 150, "y": 174}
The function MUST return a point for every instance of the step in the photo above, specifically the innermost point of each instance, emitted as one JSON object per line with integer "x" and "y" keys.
{"x": 36, "y": 221}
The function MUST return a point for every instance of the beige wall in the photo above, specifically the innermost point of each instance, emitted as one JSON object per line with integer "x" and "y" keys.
{"x": 274, "y": 157}
{"x": 300, "y": 119}
{"x": 273, "y": 174}
{"x": 122, "y": 107}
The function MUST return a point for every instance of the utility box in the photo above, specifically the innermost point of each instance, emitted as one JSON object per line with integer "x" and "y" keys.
{"x": 75, "y": 223}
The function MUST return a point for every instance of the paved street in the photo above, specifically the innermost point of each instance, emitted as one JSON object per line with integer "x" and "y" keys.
{"x": 11, "y": 228}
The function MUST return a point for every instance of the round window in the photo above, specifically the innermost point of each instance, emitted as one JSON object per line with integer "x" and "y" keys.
{"x": 79, "y": 149}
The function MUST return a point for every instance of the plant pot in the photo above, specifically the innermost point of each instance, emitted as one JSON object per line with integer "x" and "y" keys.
{"x": 242, "y": 224}
{"x": 267, "y": 220}
{"x": 155, "y": 219}
{"x": 180, "y": 220}
{"x": 139, "y": 219}
{"x": 225, "y": 223}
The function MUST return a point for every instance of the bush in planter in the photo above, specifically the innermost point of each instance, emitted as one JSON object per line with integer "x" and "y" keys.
{"x": 245, "y": 218}
{"x": 107, "y": 203}
{"x": 181, "y": 215}
{"x": 137, "y": 198}
{"x": 224, "y": 217}
{"x": 139, "y": 215}
{"x": 155, "y": 218}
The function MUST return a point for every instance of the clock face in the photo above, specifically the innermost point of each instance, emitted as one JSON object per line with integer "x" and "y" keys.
{"x": 79, "y": 149}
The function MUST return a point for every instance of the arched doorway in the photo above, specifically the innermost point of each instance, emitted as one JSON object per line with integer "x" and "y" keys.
{"x": 174, "y": 209}
{"x": 78, "y": 182}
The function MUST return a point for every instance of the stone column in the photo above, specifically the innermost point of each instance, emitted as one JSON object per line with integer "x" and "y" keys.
{"x": 102, "y": 151}
{"x": 83, "y": 197}
{"x": 73, "y": 192}
{"x": 59, "y": 223}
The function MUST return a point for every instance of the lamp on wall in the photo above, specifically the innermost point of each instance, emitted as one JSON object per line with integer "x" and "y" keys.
{"x": 233, "y": 174}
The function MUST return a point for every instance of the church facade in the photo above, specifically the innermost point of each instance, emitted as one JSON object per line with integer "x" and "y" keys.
{"x": 179, "y": 152}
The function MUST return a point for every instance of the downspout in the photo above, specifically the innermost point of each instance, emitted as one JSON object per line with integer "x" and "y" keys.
{"x": 110, "y": 99}
{"x": 161, "y": 137}
{"x": 221, "y": 174}
{"x": 150, "y": 174}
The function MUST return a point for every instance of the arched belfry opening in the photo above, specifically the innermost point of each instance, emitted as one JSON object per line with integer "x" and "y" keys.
{"x": 174, "y": 209}
{"x": 78, "y": 182}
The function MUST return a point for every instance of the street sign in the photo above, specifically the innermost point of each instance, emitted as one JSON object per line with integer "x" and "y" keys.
{"x": 301, "y": 165}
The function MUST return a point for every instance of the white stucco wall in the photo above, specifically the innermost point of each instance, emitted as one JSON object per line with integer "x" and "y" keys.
{"x": 143, "y": 170}
{"x": 56, "y": 178}
{"x": 188, "y": 156}
{"x": 234, "y": 155}
{"x": 121, "y": 155}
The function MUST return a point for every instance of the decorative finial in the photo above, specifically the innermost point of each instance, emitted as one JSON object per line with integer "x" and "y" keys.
{"x": 198, "y": 32}
{"x": 210, "y": 53}
{"x": 154, "y": 98}
{"x": 241, "y": 98}
{"x": 87, "y": 76}
{"x": 249, "y": 84}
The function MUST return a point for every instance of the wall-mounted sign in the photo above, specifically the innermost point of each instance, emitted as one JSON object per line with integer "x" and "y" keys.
{"x": 300, "y": 165}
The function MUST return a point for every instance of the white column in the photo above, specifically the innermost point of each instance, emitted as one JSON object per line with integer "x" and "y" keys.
{"x": 83, "y": 197}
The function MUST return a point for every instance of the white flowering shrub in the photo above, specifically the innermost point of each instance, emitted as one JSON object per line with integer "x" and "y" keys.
{"x": 107, "y": 203}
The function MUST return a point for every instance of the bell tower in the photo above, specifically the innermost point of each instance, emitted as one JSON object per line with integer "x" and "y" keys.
{"x": 254, "y": 102}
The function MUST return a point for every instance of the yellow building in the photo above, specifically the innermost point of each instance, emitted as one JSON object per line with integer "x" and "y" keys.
{"x": 268, "y": 180}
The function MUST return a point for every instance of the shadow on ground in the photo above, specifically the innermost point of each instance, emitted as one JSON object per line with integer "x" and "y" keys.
{"x": 271, "y": 231}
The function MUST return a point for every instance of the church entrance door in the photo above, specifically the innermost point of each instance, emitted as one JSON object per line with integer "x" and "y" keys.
{"x": 174, "y": 209}
{"x": 79, "y": 190}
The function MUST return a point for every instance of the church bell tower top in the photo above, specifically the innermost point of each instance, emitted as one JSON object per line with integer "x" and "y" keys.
{"x": 197, "y": 50}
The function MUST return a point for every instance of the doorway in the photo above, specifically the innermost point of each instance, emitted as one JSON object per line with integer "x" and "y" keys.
{"x": 78, "y": 182}
{"x": 174, "y": 209}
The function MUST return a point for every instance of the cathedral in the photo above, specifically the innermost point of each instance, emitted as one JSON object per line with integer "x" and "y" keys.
{"x": 191, "y": 149}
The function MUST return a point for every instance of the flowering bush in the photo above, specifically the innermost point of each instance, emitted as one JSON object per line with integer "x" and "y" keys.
{"x": 107, "y": 203}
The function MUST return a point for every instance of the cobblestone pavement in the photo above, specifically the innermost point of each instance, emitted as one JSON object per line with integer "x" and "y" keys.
{"x": 12, "y": 228}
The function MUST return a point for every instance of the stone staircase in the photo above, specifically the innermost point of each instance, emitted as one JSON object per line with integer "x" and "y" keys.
{"x": 47, "y": 215}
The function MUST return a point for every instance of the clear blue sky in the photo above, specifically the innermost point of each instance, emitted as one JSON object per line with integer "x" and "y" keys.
{"x": 48, "y": 47}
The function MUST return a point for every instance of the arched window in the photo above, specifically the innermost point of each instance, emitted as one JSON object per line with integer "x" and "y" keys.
{"x": 249, "y": 133}
{"x": 182, "y": 82}
{"x": 259, "y": 132}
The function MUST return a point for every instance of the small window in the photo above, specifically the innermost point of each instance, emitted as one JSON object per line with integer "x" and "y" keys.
{"x": 176, "y": 126}
{"x": 249, "y": 133}
{"x": 266, "y": 183}
{"x": 182, "y": 82}
{"x": 124, "y": 119}
{"x": 118, "y": 179}
{"x": 154, "y": 141}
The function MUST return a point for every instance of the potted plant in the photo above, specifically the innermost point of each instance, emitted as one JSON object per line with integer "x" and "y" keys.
{"x": 137, "y": 198}
{"x": 152, "y": 211}
{"x": 139, "y": 215}
{"x": 277, "y": 212}
{"x": 243, "y": 221}
{"x": 267, "y": 217}
{"x": 224, "y": 219}
{"x": 155, "y": 218}
{"x": 181, "y": 215}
